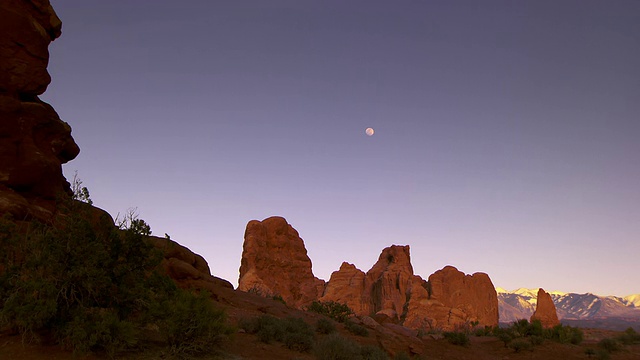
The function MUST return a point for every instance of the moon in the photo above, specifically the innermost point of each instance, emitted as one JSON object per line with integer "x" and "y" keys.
{"x": 369, "y": 132}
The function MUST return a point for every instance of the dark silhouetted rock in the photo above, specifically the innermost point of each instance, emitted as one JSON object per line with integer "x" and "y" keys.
{"x": 34, "y": 142}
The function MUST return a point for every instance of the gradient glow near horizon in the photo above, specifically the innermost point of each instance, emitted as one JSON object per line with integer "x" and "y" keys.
{"x": 507, "y": 134}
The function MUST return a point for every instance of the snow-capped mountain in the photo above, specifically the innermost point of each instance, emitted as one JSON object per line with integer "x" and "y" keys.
{"x": 633, "y": 300}
{"x": 520, "y": 304}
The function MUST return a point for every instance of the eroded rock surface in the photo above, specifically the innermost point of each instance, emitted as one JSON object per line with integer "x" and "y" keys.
{"x": 275, "y": 262}
{"x": 34, "y": 142}
{"x": 545, "y": 310}
{"x": 451, "y": 299}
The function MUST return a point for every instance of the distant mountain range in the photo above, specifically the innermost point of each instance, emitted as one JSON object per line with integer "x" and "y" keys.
{"x": 584, "y": 310}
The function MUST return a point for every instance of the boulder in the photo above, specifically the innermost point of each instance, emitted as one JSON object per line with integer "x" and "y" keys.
{"x": 545, "y": 310}
{"x": 275, "y": 262}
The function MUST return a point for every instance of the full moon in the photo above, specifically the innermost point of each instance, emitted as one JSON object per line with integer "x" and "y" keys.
{"x": 369, "y": 132}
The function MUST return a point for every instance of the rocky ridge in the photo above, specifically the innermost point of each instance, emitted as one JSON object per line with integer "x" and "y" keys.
{"x": 275, "y": 262}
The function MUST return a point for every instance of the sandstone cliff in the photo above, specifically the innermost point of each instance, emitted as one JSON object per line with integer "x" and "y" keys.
{"x": 275, "y": 262}
{"x": 545, "y": 310}
{"x": 34, "y": 142}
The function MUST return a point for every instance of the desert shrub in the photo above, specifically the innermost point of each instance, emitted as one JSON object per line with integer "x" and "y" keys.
{"x": 608, "y": 344}
{"x": 602, "y": 354}
{"x": 337, "y": 311}
{"x": 402, "y": 356}
{"x": 356, "y": 329}
{"x": 279, "y": 298}
{"x": 565, "y": 334}
{"x": 62, "y": 275}
{"x": 520, "y": 344}
{"x": 298, "y": 342}
{"x": 589, "y": 352}
{"x": 266, "y": 327}
{"x": 536, "y": 340}
{"x": 486, "y": 331}
{"x": 295, "y": 333}
{"x": 92, "y": 285}
{"x": 335, "y": 347}
{"x": 99, "y": 328}
{"x": 629, "y": 337}
{"x": 370, "y": 352}
{"x": 325, "y": 326}
{"x": 524, "y": 328}
{"x": 457, "y": 338}
{"x": 298, "y": 334}
{"x": 192, "y": 324}
{"x": 504, "y": 335}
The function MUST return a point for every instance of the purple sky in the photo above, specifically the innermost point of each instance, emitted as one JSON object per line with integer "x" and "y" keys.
{"x": 507, "y": 133}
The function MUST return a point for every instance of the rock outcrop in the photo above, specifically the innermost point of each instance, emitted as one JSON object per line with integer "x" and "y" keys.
{"x": 34, "y": 142}
{"x": 451, "y": 299}
{"x": 186, "y": 268}
{"x": 545, "y": 310}
{"x": 347, "y": 286}
{"x": 388, "y": 283}
{"x": 275, "y": 262}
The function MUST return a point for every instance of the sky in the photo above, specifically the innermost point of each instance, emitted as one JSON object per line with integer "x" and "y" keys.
{"x": 507, "y": 133}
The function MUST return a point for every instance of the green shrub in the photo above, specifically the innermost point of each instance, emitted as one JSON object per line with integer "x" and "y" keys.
{"x": 325, "y": 326}
{"x": 457, "y": 338}
{"x": 335, "y": 347}
{"x": 602, "y": 354}
{"x": 504, "y": 335}
{"x": 370, "y": 352}
{"x": 356, "y": 329}
{"x": 99, "y": 329}
{"x": 192, "y": 325}
{"x": 565, "y": 334}
{"x": 520, "y": 344}
{"x": 524, "y": 328}
{"x": 609, "y": 345}
{"x": 295, "y": 333}
{"x": 298, "y": 342}
{"x": 589, "y": 352}
{"x": 92, "y": 285}
{"x": 279, "y": 298}
{"x": 629, "y": 337}
{"x": 336, "y": 311}
{"x": 486, "y": 331}
{"x": 536, "y": 340}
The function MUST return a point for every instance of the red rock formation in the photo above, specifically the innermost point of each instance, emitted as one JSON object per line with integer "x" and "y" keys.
{"x": 34, "y": 142}
{"x": 346, "y": 286}
{"x": 545, "y": 310}
{"x": 452, "y": 299}
{"x": 275, "y": 262}
{"x": 387, "y": 284}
